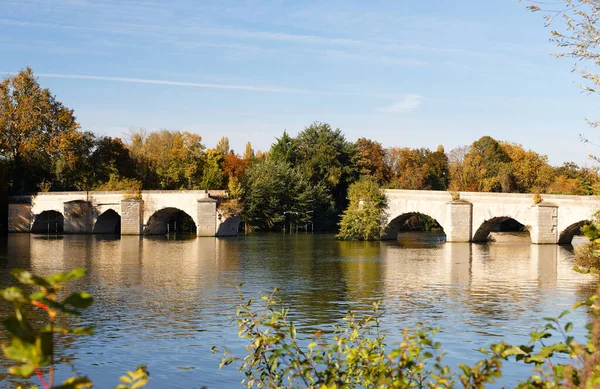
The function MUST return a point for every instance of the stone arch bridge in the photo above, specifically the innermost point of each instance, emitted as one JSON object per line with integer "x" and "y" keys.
{"x": 475, "y": 214}
{"x": 152, "y": 212}
{"x": 470, "y": 219}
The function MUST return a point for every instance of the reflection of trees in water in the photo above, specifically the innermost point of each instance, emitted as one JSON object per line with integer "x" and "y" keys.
{"x": 319, "y": 277}
{"x": 419, "y": 239}
{"x": 176, "y": 289}
{"x": 310, "y": 278}
{"x": 584, "y": 291}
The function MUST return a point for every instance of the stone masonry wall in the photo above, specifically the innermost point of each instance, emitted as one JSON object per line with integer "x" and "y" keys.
{"x": 207, "y": 217}
{"x": 131, "y": 216}
{"x": 19, "y": 217}
{"x": 460, "y": 221}
{"x": 544, "y": 227}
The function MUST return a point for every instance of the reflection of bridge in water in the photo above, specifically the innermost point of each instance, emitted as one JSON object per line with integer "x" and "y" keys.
{"x": 156, "y": 294}
{"x": 409, "y": 266}
{"x": 474, "y": 215}
{"x": 320, "y": 276}
{"x": 475, "y": 264}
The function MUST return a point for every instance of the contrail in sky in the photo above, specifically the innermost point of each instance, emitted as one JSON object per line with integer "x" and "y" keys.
{"x": 175, "y": 83}
{"x": 254, "y": 88}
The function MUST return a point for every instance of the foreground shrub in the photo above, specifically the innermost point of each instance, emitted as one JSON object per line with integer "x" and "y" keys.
{"x": 587, "y": 256}
{"x": 357, "y": 355}
{"x": 31, "y": 345}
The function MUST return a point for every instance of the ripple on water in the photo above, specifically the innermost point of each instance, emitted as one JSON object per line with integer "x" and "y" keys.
{"x": 166, "y": 303}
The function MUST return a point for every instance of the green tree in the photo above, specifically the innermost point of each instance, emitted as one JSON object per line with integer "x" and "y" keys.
{"x": 284, "y": 149}
{"x": 93, "y": 163}
{"x": 438, "y": 169}
{"x": 35, "y": 129}
{"x": 174, "y": 159}
{"x": 212, "y": 174}
{"x": 325, "y": 158}
{"x": 272, "y": 188}
{"x": 74, "y": 168}
{"x": 3, "y": 196}
{"x": 364, "y": 219}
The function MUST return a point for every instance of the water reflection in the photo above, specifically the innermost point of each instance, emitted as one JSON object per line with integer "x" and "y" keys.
{"x": 166, "y": 301}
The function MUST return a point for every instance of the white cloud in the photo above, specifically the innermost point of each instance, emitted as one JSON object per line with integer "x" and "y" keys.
{"x": 408, "y": 103}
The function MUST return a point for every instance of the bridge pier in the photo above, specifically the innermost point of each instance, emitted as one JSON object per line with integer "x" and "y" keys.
{"x": 132, "y": 216}
{"x": 544, "y": 226}
{"x": 207, "y": 217}
{"x": 459, "y": 225}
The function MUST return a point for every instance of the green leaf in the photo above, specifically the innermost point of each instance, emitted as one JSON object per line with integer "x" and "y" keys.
{"x": 25, "y": 277}
{"x": 74, "y": 274}
{"x": 292, "y": 330}
{"x": 19, "y": 327}
{"x": 14, "y": 295}
{"x": 60, "y": 307}
{"x": 24, "y": 371}
{"x": 75, "y": 383}
{"x": 82, "y": 331}
{"x": 80, "y": 300}
{"x": 568, "y": 327}
{"x": 134, "y": 380}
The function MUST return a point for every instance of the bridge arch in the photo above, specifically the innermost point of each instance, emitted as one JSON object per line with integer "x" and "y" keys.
{"x": 109, "y": 222}
{"x": 497, "y": 224}
{"x": 399, "y": 223}
{"x": 566, "y": 235}
{"x": 170, "y": 220}
{"x": 48, "y": 222}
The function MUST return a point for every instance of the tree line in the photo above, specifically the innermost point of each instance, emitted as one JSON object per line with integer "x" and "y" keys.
{"x": 305, "y": 177}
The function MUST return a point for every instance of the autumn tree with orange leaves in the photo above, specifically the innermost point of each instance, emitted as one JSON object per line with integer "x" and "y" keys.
{"x": 36, "y": 131}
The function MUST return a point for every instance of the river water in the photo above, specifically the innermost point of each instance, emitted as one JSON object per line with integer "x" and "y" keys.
{"x": 165, "y": 302}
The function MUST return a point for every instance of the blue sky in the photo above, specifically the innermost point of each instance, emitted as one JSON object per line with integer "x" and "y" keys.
{"x": 405, "y": 73}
